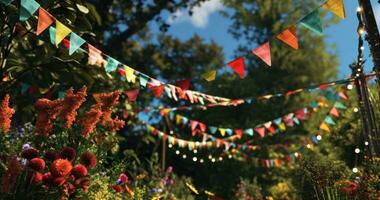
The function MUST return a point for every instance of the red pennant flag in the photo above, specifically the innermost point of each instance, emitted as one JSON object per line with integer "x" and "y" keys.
{"x": 184, "y": 84}
{"x": 289, "y": 37}
{"x": 193, "y": 124}
{"x": 44, "y": 20}
{"x": 132, "y": 94}
{"x": 334, "y": 112}
{"x": 121, "y": 71}
{"x": 272, "y": 130}
{"x": 239, "y": 133}
{"x": 263, "y": 52}
{"x": 238, "y": 66}
{"x": 66, "y": 43}
{"x": 203, "y": 127}
{"x": 157, "y": 90}
{"x": 260, "y": 131}
{"x": 343, "y": 95}
{"x": 323, "y": 86}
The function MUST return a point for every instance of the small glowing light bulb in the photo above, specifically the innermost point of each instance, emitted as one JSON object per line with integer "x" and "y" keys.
{"x": 350, "y": 86}
{"x": 229, "y": 156}
{"x": 220, "y": 158}
{"x": 201, "y": 160}
{"x": 356, "y": 109}
{"x": 170, "y": 145}
{"x": 296, "y": 154}
{"x": 319, "y": 137}
{"x": 355, "y": 170}
{"x": 184, "y": 156}
{"x": 195, "y": 151}
{"x": 177, "y": 152}
{"x": 308, "y": 146}
{"x": 358, "y": 9}
{"x": 213, "y": 160}
{"x": 209, "y": 157}
{"x": 366, "y": 143}
{"x": 195, "y": 159}
{"x": 357, "y": 150}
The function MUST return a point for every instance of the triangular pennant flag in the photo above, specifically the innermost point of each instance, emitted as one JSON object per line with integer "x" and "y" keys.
{"x": 52, "y": 34}
{"x": 210, "y": 75}
{"x": 193, "y": 124}
{"x": 282, "y": 127}
{"x": 324, "y": 127}
{"x": 334, "y": 112}
{"x": 95, "y": 56}
{"x": 263, "y": 52}
{"x": 238, "y": 66}
{"x": 212, "y": 129}
{"x": 130, "y": 74}
{"x": 185, "y": 120}
{"x": 44, "y": 20}
{"x": 229, "y": 131}
{"x": 111, "y": 64}
{"x": 278, "y": 121}
{"x": 132, "y": 94}
{"x": 260, "y": 131}
{"x": 184, "y": 84}
{"x": 6, "y": 1}
{"x": 143, "y": 80}
{"x": 75, "y": 42}
{"x": 157, "y": 90}
{"x": 61, "y": 32}
{"x": 343, "y": 95}
{"x": 178, "y": 119}
{"x": 239, "y": 133}
{"x": 222, "y": 131}
{"x": 249, "y": 131}
{"x": 289, "y": 37}
{"x": 329, "y": 120}
{"x": 336, "y": 7}
{"x": 339, "y": 105}
{"x": 202, "y": 127}
{"x": 312, "y": 21}
{"x": 28, "y": 8}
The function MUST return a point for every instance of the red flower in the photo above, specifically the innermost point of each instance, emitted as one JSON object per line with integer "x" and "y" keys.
{"x": 52, "y": 155}
{"x": 9, "y": 178}
{"x": 88, "y": 159}
{"x": 37, "y": 164}
{"x": 123, "y": 178}
{"x": 90, "y": 119}
{"x": 29, "y": 153}
{"x": 350, "y": 188}
{"x": 60, "y": 168}
{"x": 68, "y": 188}
{"x": 47, "y": 113}
{"x": 58, "y": 181}
{"x": 71, "y": 104}
{"x": 118, "y": 188}
{"x": 37, "y": 177}
{"x": 5, "y": 114}
{"x": 47, "y": 179}
{"x": 115, "y": 124}
{"x": 84, "y": 183}
{"x": 108, "y": 101}
{"x": 68, "y": 153}
{"x": 79, "y": 171}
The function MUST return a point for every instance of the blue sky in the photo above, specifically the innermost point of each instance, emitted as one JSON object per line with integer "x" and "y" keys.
{"x": 209, "y": 24}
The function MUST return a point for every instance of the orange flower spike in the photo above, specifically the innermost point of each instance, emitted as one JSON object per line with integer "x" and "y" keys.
{"x": 71, "y": 104}
{"x": 5, "y": 114}
{"x": 47, "y": 112}
{"x": 115, "y": 124}
{"x": 108, "y": 101}
{"x": 90, "y": 119}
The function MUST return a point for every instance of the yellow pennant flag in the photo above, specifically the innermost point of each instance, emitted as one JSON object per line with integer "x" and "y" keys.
{"x": 324, "y": 127}
{"x": 209, "y": 76}
{"x": 222, "y": 131}
{"x": 178, "y": 119}
{"x": 336, "y": 7}
{"x": 282, "y": 126}
{"x": 61, "y": 32}
{"x": 130, "y": 74}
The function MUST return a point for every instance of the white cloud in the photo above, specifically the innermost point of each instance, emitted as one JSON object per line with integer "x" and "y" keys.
{"x": 200, "y": 14}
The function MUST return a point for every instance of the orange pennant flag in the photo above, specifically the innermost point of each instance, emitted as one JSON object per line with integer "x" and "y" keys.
{"x": 324, "y": 127}
{"x": 289, "y": 37}
{"x": 263, "y": 52}
{"x": 334, "y": 112}
{"x": 44, "y": 20}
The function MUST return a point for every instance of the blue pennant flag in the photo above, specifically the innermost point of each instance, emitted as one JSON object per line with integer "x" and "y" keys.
{"x": 185, "y": 120}
{"x": 75, "y": 42}
{"x": 111, "y": 64}
{"x": 249, "y": 131}
{"x": 213, "y": 129}
{"x": 28, "y": 8}
{"x": 143, "y": 80}
{"x": 52, "y": 34}
{"x": 229, "y": 131}
{"x": 278, "y": 121}
{"x": 329, "y": 120}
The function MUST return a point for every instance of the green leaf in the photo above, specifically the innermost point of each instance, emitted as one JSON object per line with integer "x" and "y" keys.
{"x": 82, "y": 8}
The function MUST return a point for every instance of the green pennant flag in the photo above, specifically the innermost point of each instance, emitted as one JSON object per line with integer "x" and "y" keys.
{"x": 75, "y": 42}
{"x": 312, "y": 21}
{"x": 6, "y": 1}
{"x": 28, "y": 8}
{"x": 111, "y": 64}
{"x": 52, "y": 34}
{"x": 339, "y": 105}
{"x": 329, "y": 120}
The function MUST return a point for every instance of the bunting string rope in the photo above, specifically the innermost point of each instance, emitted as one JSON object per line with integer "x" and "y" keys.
{"x": 60, "y": 32}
